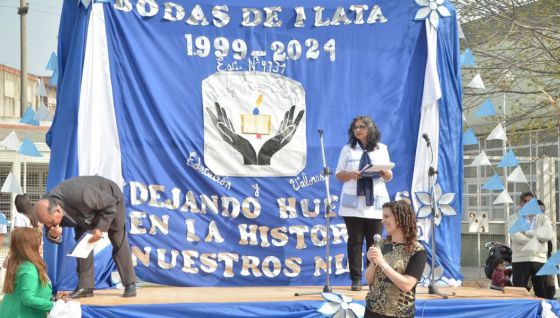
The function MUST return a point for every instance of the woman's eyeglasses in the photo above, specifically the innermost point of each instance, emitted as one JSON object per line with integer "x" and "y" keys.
{"x": 360, "y": 127}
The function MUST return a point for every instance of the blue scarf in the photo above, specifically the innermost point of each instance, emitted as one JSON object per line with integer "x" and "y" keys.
{"x": 365, "y": 184}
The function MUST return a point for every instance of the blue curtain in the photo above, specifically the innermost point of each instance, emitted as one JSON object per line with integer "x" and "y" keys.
{"x": 379, "y": 71}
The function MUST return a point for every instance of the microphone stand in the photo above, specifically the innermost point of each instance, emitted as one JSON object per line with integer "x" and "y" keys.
{"x": 326, "y": 174}
{"x": 432, "y": 288}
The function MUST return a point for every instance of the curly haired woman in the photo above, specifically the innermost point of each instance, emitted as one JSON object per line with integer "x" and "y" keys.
{"x": 395, "y": 268}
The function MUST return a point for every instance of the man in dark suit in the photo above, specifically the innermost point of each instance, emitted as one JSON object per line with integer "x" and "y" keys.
{"x": 94, "y": 204}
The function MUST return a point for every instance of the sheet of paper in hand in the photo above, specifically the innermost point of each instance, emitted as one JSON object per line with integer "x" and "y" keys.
{"x": 83, "y": 247}
{"x": 376, "y": 167}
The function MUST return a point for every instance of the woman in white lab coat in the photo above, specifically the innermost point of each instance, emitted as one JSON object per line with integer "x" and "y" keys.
{"x": 363, "y": 194}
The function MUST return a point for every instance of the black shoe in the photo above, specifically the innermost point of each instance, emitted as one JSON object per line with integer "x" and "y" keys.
{"x": 82, "y": 292}
{"x": 356, "y": 285}
{"x": 130, "y": 290}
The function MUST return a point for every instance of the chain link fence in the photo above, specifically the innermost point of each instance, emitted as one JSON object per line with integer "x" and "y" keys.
{"x": 530, "y": 146}
{"x": 32, "y": 177}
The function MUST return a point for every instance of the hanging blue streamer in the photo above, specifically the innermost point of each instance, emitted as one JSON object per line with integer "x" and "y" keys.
{"x": 531, "y": 208}
{"x": 555, "y": 258}
{"x": 52, "y": 65}
{"x": 548, "y": 269}
{"x": 486, "y": 109}
{"x": 508, "y": 160}
{"x": 469, "y": 138}
{"x": 54, "y": 78}
{"x": 494, "y": 183}
{"x": 519, "y": 225}
{"x": 29, "y": 117}
{"x": 467, "y": 58}
{"x": 28, "y": 148}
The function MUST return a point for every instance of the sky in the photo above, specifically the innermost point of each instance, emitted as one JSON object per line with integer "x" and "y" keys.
{"x": 42, "y": 30}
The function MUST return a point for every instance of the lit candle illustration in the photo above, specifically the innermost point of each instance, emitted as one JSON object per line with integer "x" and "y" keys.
{"x": 256, "y": 123}
{"x": 256, "y": 110}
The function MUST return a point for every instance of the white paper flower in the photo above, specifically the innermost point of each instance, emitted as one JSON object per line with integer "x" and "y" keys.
{"x": 443, "y": 204}
{"x": 340, "y": 306}
{"x": 431, "y": 10}
{"x": 547, "y": 311}
{"x": 427, "y": 276}
{"x": 423, "y": 228}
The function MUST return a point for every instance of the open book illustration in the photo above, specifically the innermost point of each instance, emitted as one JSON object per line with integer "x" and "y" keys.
{"x": 255, "y": 124}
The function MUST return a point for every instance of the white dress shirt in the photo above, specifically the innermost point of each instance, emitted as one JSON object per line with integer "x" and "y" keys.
{"x": 349, "y": 160}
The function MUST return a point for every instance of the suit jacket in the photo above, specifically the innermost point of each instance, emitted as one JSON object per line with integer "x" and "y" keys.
{"x": 89, "y": 202}
{"x": 30, "y": 299}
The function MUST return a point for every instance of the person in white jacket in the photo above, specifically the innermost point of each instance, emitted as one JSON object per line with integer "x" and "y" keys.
{"x": 529, "y": 249}
{"x": 363, "y": 194}
{"x": 549, "y": 280}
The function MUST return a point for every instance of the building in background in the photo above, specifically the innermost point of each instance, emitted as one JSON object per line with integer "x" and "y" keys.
{"x": 537, "y": 152}
{"x": 30, "y": 171}
{"x": 10, "y": 91}
{"x": 519, "y": 70}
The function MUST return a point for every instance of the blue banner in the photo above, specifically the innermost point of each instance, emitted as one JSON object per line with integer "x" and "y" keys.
{"x": 426, "y": 308}
{"x": 218, "y": 107}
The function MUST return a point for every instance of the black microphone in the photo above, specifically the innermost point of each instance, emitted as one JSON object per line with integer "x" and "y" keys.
{"x": 320, "y": 132}
{"x": 377, "y": 241}
{"x": 426, "y": 138}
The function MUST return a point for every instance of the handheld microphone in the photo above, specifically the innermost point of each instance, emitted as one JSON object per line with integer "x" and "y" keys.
{"x": 377, "y": 241}
{"x": 426, "y": 138}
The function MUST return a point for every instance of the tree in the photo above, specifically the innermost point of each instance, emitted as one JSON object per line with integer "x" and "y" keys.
{"x": 516, "y": 44}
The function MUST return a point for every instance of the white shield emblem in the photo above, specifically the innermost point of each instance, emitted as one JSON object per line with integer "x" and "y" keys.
{"x": 254, "y": 124}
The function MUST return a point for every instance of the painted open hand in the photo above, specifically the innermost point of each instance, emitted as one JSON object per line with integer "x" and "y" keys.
{"x": 228, "y": 134}
{"x": 284, "y": 135}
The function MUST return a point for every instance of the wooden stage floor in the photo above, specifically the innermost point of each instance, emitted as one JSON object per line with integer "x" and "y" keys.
{"x": 169, "y": 295}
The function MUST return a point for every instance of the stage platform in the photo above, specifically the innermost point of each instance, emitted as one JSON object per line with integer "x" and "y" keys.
{"x": 200, "y": 302}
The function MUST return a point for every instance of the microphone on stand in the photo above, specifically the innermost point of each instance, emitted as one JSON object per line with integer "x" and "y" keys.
{"x": 432, "y": 171}
{"x": 426, "y": 138}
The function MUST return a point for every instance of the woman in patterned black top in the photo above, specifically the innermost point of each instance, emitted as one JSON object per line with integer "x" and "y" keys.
{"x": 395, "y": 268}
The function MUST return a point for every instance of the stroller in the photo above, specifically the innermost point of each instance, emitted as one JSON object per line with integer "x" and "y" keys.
{"x": 496, "y": 249}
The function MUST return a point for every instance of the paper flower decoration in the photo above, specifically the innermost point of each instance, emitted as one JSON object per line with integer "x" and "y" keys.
{"x": 427, "y": 276}
{"x": 431, "y": 10}
{"x": 547, "y": 311}
{"x": 340, "y": 306}
{"x": 423, "y": 228}
{"x": 443, "y": 204}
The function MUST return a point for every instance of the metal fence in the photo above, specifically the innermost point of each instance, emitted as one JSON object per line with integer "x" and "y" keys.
{"x": 32, "y": 178}
{"x": 529, "y": 147}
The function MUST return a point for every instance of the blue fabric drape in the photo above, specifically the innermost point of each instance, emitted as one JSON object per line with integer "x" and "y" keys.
{"x": 379, "y": 70}
{"x": 61, "y": 138}
{"x": 450, "y": 177}
{"x": 456, "y": 308}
